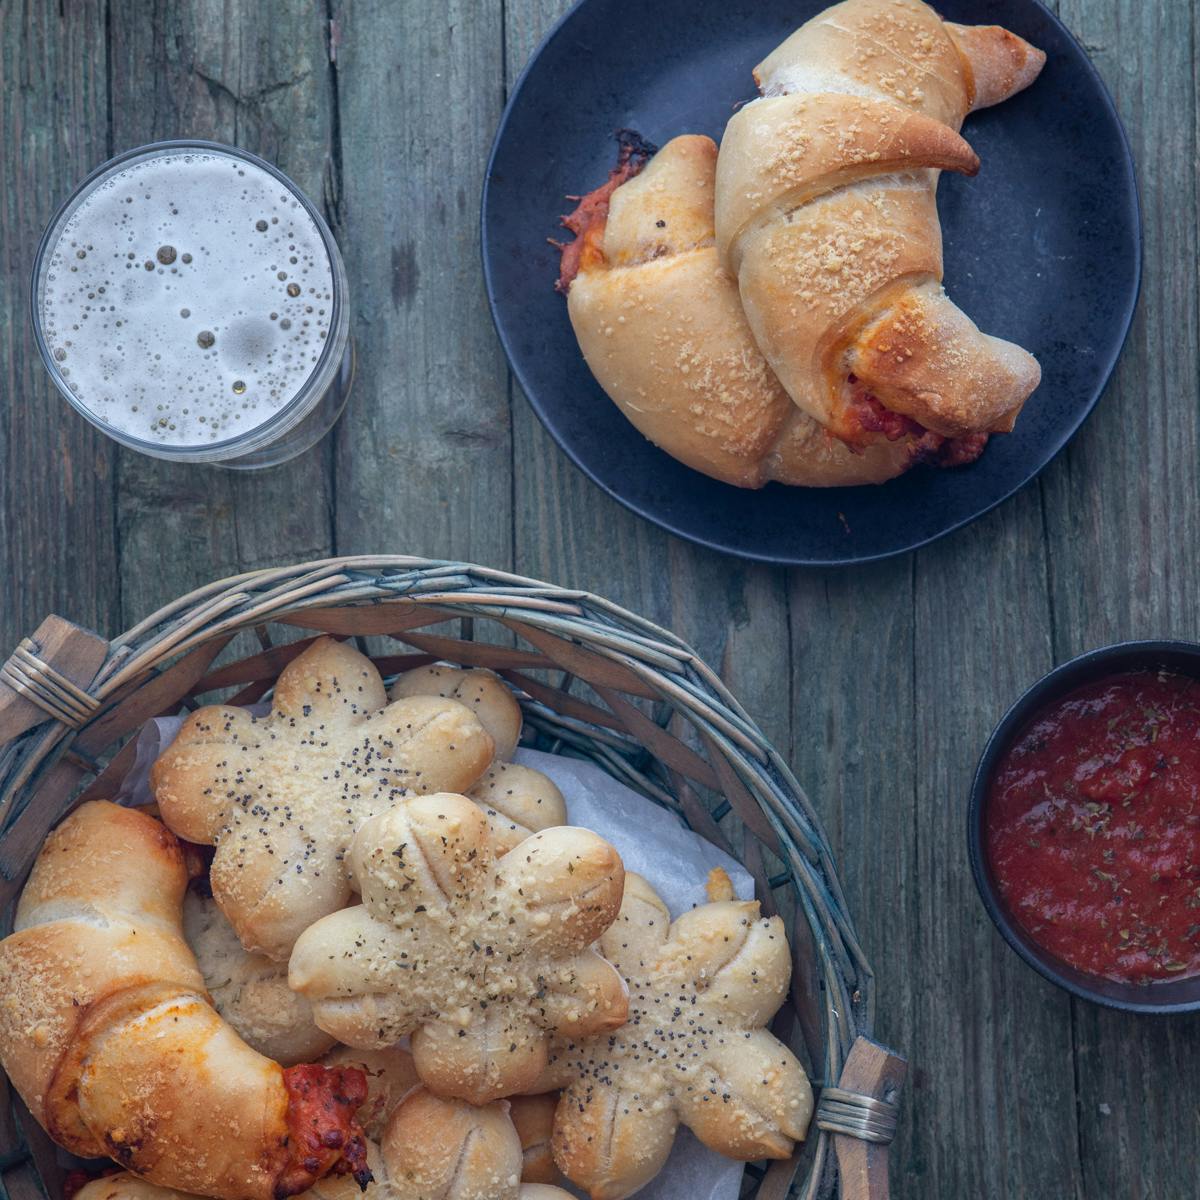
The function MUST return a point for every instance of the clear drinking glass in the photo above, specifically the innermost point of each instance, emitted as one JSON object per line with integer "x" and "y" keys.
{"x": 114, "y": 219}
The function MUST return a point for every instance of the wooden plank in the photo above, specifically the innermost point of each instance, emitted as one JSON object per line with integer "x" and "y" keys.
{"x": 423, "y": 459}
{"x": 258, "y": 76}
{"x": 1123, "y": 524}
{"x": 1008, "y": 1128}
{"x": 853, "y": 751}
{"x": 57, "y": 495}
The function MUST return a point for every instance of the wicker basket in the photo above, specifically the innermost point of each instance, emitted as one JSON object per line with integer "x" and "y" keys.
{"x": 594, "y": 680}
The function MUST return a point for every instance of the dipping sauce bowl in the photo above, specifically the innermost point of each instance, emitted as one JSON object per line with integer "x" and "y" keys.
{"x": 1161, "y": 995}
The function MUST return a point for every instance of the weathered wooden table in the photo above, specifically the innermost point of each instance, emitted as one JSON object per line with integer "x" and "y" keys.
{"x": 880, "y": 682}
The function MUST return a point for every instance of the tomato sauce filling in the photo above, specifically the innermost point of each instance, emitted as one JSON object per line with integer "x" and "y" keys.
{"x": 866, "y": 414}
{"x": 1093, "y": 827}
{"x": 590, "y": 215}
{"x": 323, "y": 1136}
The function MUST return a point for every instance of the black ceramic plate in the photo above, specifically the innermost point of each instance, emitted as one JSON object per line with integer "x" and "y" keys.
{"x": 1043, "y": 247}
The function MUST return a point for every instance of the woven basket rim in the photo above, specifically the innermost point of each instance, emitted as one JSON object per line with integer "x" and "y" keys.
{"x": 299, "y": 594}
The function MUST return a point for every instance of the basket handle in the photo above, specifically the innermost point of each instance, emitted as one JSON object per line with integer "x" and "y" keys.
{"x": 861, "y": 1113}
{"x": 48, "y": 675}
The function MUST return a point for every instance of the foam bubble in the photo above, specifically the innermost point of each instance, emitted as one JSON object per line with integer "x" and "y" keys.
{"x": 193, "y": 234}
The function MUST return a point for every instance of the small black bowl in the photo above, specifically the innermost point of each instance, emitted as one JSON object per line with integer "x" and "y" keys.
{"x": 1182, "y": 658}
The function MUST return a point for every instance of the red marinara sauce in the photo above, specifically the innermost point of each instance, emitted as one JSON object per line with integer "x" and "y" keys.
{"x": 1093, "y": 827}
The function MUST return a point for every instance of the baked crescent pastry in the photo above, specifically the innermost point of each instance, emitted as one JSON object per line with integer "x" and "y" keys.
{"x": 280, "y": 796}
{"x": 109, "y": 1037}
{"x": 422, "y": 1149}
{"x": 124, "y": 1186}
{"x": 517, "y": 800}
{"x": 250, "y": 990}
{"x": 695, "y": 1049}
{"x": 826, "y": 216}
{"x": 432, "y": 1150}
{"x": 661, "y": 327}
{"x": 479, "y": 958}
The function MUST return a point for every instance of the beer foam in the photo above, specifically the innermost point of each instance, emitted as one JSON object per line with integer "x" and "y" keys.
{"x": 187, "y": 297}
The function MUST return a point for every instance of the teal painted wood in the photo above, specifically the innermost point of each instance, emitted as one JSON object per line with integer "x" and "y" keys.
{"x": 879, "y": 683}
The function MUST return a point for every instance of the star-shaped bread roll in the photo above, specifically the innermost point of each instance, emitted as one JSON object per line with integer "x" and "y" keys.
{"x": 695, "y": 1049}
{"x": 517, "y": 799}
{"x": 481, "y": 690}
{"x": 479, "y": 957}
{"x": 281, "y": 796}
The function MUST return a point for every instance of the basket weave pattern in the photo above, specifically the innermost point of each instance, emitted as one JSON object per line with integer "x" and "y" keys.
{"x": 594, "y": 681}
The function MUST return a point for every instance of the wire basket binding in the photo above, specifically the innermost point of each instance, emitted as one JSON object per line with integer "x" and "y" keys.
{"x": 594, "y": 681}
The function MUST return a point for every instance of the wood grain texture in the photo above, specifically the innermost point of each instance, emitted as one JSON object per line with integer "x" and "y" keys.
{"x": 256, "y": 76}
{"x": 880, "y": 683}
{"x": 423, "y": 463}
{"x": 57, "y": 494}
{"x": 981, "y": 636}
{"x": 1124, "y": 524}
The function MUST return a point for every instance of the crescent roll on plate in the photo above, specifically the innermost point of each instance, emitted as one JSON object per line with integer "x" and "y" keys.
{"x": 661, "y": 327}
{"x": 108, "y": 1034}
{"x": 826, "y": 216}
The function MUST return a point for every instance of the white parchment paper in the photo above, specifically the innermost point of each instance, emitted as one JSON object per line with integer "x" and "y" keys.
{"x": 651, "y": 841}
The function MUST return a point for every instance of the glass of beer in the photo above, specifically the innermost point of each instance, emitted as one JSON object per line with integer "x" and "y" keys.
{"x": 191, "y": 303}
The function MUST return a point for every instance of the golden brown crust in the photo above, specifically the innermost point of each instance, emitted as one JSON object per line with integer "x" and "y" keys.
{"x": 825, "y": 210}
{"x": 281, "y": 796}
{"x": 781, "y": 152}
{"x": 661, "y": 327}
{"x": 439, "y": 1149}
{"x": 533, "y": 1117}
{"x": 478, "y": 958}
{"x": 921, "y": 356}
{"x": 1000, "y": 63}
{"x": 105, "y": 1027}
{"x": 695, "y": 1049}
{"x": 482, "y": 691}
{"x": 250, "y": 991}
{"x": 179, "y": 1097}
{"x": 84, "y": 930}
